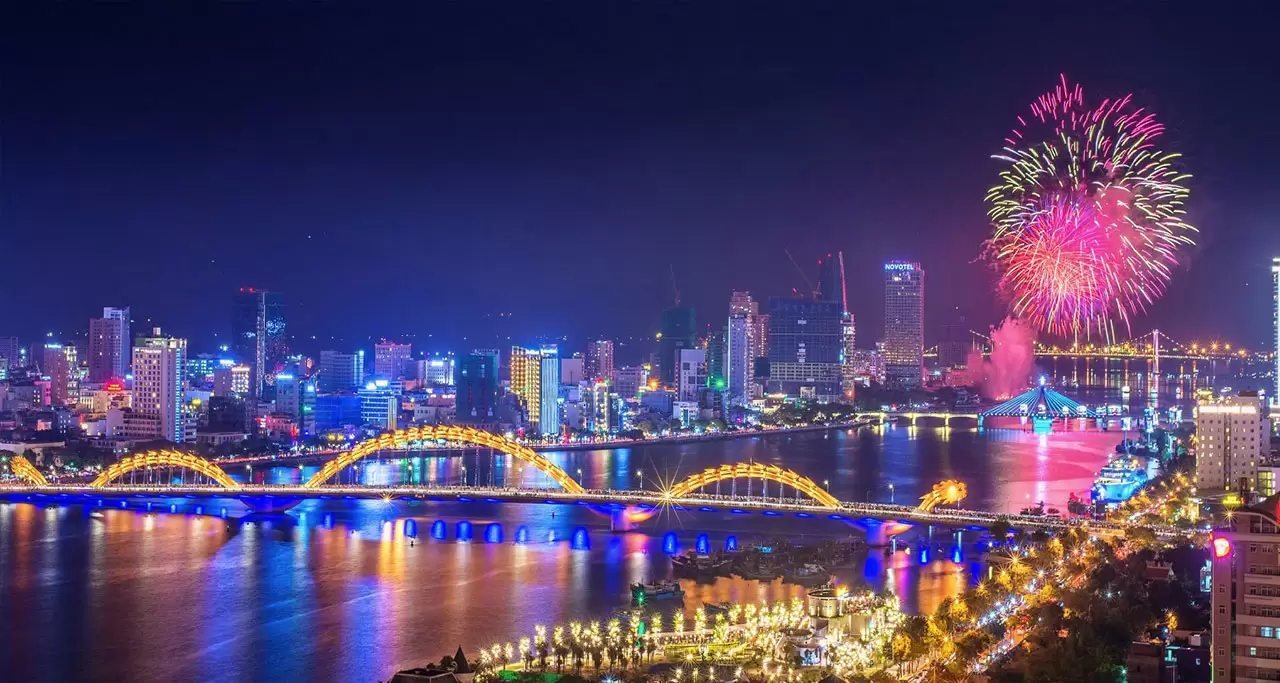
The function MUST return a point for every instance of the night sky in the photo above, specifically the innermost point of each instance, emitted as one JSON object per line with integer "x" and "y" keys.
{"x": 423, "y": 168}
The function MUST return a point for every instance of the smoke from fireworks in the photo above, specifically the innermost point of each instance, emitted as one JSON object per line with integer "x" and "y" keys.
{"x": 1088, "y": 214}
{"x": 1013, "y": 359}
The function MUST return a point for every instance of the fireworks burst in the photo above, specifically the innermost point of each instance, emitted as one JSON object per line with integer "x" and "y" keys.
{"x": 1088, "y": 214}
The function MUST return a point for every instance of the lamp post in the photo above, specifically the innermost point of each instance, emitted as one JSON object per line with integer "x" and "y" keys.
{"x": 579, "y": 475}
{"x": 464, "y": 475}
{"x": 826, "y": 484}
{"x": 891, "y": 494}
{"x": 640, "y": 477}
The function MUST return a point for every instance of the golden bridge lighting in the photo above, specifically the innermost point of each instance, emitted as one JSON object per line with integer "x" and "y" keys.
{"x": 946, "y": 492}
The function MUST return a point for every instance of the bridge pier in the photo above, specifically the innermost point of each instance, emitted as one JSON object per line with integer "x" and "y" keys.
{"x": 880, "y": 533}
{"x": 628, "y": 518}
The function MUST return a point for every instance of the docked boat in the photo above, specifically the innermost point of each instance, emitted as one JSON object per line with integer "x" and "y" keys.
{"x": 1120, "y": 479}
{"x": 692, "y": 564}
{"x": 643, "y": 593}
{"x": 807, "y": 575}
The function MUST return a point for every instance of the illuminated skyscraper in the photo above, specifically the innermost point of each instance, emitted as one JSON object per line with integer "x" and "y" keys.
{"x": 806, "y": 347}
{"x": 391, "y": 360}
{"x": 738, "y": 357}
{"x": 62, "y": 367}
{"x": 109, "y": 345}
{"x": 600, "y": 359}
{"x": 527, "y": 381}
{"x": 1275, "y": 325}
{"x": 549, "y": 395}
{"x": 258, "y": 333}
{"x": 159, "y": 377}
{"x": 904, "y": 324}
{"x": 12, "y": 353}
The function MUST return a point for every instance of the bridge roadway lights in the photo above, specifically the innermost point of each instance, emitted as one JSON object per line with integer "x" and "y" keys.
{"x": 879, "y": 533}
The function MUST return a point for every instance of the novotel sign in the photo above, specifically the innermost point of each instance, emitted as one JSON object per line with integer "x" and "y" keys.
{"x": 899, "y": 266}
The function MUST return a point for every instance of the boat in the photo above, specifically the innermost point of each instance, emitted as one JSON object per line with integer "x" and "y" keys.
{"x": 807, "y": 575}
{"x": 1120, "y": 479}
{"x": 717, "y": 607}
{"x": 643, "y": 593}
{"x": 692, "y": 564}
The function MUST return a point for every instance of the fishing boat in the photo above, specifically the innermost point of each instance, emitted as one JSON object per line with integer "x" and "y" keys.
{"x": 643, "y": 593}
{"x": 717, "y": 607}
{"x": 693, "y": 564}
{"x": 807, "y": 575}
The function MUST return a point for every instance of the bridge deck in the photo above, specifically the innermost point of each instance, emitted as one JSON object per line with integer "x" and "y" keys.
{"x": 615, "y": 498}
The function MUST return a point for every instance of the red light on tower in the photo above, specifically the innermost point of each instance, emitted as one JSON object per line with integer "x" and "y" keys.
{"x": 1221, "y": 547}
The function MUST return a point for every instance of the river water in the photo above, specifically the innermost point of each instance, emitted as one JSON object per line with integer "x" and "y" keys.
{"x": 348, "y": 590}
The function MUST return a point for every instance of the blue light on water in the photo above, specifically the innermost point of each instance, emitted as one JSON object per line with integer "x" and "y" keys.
{"x": 493, "y": 533}
{"x": 411, "y": 528}
{"x": 772, "y": 513}
{"x": 731, "y": 543}
{"x": 148, "y": 507}
{"x": 327, "y": 521}
{"x": 199, "y": 509}
{"x": 957, "y": 555}
{"x": 438, "y": 530}
{"x": 581, "y": 540}
{"x": 522, "y": 534}
{"x": 924, "y": 555}
{"x": 669, "y": 544}
{"x": 463, "y": 531}
{"x": 703, "y": 545}
{"x": 124, "y": 504}
{"x": 551, "y": 536}
{"x": 173, "y": 507}
{"x": 804, "y": 515}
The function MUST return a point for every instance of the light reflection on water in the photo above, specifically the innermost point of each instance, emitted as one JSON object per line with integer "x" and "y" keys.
{"x": 352, "y": 590}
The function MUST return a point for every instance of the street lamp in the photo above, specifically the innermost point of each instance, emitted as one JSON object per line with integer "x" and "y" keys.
{"x": 826, "y": 483}
{"x": 464, "y": 475}
{"x": 579, "y": 475}
{"x": 891, "y": 494}
{"x": 640, "y": 477}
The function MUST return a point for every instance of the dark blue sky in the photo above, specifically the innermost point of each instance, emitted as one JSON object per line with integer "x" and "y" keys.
{"x": 420, "y": 168}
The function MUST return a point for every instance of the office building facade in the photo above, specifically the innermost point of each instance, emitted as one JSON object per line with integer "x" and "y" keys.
{"x": 110, "y": 346}
{"x": 806, "y": 349}
{"x": 904, "y": 324}
{"x": 527, "y": 380}
{"x": 392, "y": 361}
{"x": 159, "y": 378}
{"x": 691, "y": 373}
{"x": 1275, "y": 327}
{"x": 1233, "y": 439}
{"x": 340, "y": 371}
{"x": 11, "y": 352}
{"x": 1245, "y": 596}
{"x": 478, "y": 387}
{"x": 61, "y": 365}
{"x": 599, "y": 360}
{"x": 737, "y": 362}
{"x": 549, "y": 396}
{"x": 678, "y": 329}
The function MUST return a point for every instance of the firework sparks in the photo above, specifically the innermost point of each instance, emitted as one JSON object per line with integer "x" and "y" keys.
{"x": 1088, "y": 214}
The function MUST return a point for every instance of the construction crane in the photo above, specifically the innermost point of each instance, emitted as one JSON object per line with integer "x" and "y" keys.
{"x": 673, "y": 283}
{"x": 807, "y": 281}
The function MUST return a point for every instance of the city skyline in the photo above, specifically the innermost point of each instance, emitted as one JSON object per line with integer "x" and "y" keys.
{"x": 375, "y": 179}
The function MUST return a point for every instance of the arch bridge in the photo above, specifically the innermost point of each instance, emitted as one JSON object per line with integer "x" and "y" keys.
{"x": 750, "y": 471}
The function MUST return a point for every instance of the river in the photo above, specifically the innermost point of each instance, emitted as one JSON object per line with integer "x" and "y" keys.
{"x": 354, "y": 590}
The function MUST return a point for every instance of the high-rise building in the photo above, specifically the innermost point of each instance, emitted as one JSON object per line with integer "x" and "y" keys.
{"x": 380, "y": 404}
{"x": 391, "y": 360}
{"x": 955, "y": 344}
{"x": 159, "y": 377}
{"x": 599, "y": 401}
{"x": 848, "y": 367}
{"x": 296, "y": 398}
{"x": 737, "y": 361}
{"x": 1243, "y": 574}
{"x": 549, "y": 396}
{"x": 806, "y": 348}
{"x": 231, "y": 379}
{"x": 904, "y": 324}
{"x": 109, "y": 345}
{"x": 1275, "y": 325}
{"x": 760, "y": 336}
{"x": 62, "y": 367}
{"x": 527, "y": 379}
{"x": 1233, "y": 438}
{"x": 12, "y": 353}
{"x": 572, "y": 370}
{"x": 438, "y": 370}
{"x": 678, "y": 331}
{"x": 341, "y": 371}
{"x": 478, "y": 387}
{"x": 600, "y": 359}
{"x": 717, "y": 373}
{"x": 691, "y": 373}
{"x": 258, "y": 333}
{"x": 628, "y": 380}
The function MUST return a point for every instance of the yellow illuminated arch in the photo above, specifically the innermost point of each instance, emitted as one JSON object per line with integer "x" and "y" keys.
{"x": 23, "y": 469}
{"x": 754, "y": 470}
{"x": 401, "y": 438}
{"x": 140, "y": 461}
